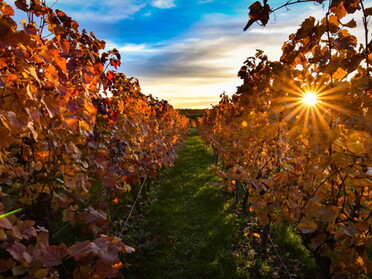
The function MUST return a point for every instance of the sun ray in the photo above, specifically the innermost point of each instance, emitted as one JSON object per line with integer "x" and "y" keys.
{"x": 293, "y": 113}
{"x": 306, "y": 119}
{"x": 324, "y": 125}
{"x": 338, "y": 108}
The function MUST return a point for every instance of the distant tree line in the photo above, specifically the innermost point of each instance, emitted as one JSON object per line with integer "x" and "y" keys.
{"x": 192, "y": 113}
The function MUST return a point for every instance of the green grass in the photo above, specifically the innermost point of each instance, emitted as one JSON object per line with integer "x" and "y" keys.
{"x": 193, "y": 229}
{"x": 188, "y": 231}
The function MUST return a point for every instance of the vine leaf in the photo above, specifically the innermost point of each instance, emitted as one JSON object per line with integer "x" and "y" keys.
{"x": 368, "y": 11}
{"x": 338, "y": 8}
{"x": 6, "y": 9}
{"x": 53, "y": 255}
{"x": 306, "y": 27}
{"x": 257, "y": 12}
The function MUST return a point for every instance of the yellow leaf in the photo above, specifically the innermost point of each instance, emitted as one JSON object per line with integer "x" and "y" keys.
{"x": 84, "y": 127}
{"x": 339, "y": 74}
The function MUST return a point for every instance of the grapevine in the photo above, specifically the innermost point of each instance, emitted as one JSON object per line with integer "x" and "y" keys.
{"x": 304, "y": 163}
{"x": 75, "y": 135}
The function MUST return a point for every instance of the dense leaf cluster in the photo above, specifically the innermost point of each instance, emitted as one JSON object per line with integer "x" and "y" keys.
{"x": 302, "y": 164}
{"x": 73, "y": 137}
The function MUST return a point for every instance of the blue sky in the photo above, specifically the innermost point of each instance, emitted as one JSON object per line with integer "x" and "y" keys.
{"x": 184, "y": 51}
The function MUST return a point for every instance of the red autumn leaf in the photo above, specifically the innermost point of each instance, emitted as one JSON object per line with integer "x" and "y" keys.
{"x": 117, "y": 53}
{"x": 24, "y": 229}
{"x": 30, "y": 29}
{"x": 110, "y": 75}
{"x": 91, "y": 215}
{"x": 108, "y": 248}
{"x": 105, "y": 270}
{"x": 109, "y": 181}
{"x": 4, "y": 223}
{"x": 80, "y": 250}
{"x": 60, "y": 13}
{"x": 14, "y": 122}
{"x": 115, "y": 63}
{"x": 22, "y": 5}
{"x": 107, "y": 251}
{"x": 19, "y": 252}
{"x": 53, "y": 255}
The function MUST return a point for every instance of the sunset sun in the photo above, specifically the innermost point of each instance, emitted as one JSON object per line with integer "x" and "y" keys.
{"x": 310, "y": 99}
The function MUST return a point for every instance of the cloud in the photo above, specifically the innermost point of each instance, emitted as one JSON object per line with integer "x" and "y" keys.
{"x": 109, "y": 10}
{"x": 101, "y": 11}
{"x": 163, "y": 4}
{"x": 210, "y": 49}
{"x": 193, "y": 69}
{"x": 136, "y": 48}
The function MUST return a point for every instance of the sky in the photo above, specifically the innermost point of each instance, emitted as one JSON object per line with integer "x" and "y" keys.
{"x": 185, "y": 51}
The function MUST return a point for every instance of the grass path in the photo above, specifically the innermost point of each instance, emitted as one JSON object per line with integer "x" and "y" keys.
{"x": 188, "y": 231}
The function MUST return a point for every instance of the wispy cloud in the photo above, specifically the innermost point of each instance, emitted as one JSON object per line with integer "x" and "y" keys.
{"x": 101, "y": 11}
{"x": 163, "y": 4}
{"x": 110, "y": 10}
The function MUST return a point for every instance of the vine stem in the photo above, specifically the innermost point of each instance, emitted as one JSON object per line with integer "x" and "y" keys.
{"x": 290, "y": 3}
{"x": 365, "y": 24}
{"x": 330, "y": 47}
{"x": 280, "y": 258}
{"x": 133, "y": 206}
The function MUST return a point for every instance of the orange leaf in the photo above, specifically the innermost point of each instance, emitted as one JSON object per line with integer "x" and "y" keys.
{"x": 307, "y": 226}
{"x": 7, "y": 10}
{"x": 36, "y": 58}
{"x": 5, "y": 140}
{"x": 339, "y": 10}
{"x": 339, "y": 74}
{"x": 256, "y": 235}
{"x": 65, "y": 44}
